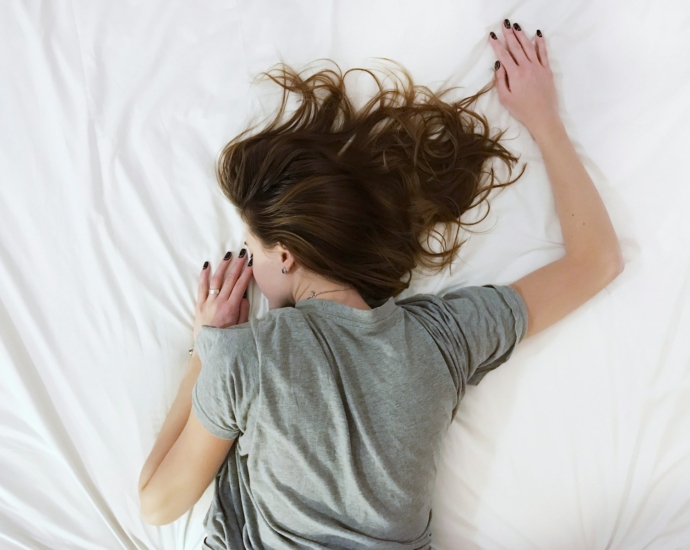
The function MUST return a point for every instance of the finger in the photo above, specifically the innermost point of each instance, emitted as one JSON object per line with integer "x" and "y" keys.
{"x": 219, "y": 275}
{"x": 202, "y": 292}
{"x": 513, "y": 46}
{"x": 502, "y": 80}
{"x": 525, "y": 43}
{"x": 507, "y": 62}
{"x": 541, "y": 50}
{"x": 232, "y": 275}
{"x": 240, "y": 286}
{"x": 244, "y": 311}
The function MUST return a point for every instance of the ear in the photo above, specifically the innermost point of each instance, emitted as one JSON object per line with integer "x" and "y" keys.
{"x": 286, "y": 258}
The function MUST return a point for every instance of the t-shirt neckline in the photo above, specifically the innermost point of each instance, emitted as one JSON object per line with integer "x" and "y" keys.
{"x": 336, "y": 309}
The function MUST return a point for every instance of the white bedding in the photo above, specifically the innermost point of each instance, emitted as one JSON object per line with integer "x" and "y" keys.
{"x": 111, "y": 116}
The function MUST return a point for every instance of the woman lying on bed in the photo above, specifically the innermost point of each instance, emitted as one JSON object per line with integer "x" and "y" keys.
{"x": 322, "y": 423}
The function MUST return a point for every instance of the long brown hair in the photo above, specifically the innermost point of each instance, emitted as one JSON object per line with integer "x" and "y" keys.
{"x": 352, "y": 192}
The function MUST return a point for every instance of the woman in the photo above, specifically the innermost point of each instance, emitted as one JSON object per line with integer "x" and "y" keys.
{"x": 337, "y": 401}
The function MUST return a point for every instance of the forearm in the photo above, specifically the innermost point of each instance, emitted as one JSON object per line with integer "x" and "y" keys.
{"x": 585, "y": 223}
{"x": 174, "y": 422}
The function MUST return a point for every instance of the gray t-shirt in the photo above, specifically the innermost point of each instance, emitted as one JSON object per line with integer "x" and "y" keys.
{"x": 338, "y": 415}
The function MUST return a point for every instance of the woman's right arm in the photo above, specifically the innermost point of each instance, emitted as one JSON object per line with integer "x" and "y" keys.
{"x": 592, "y": 252}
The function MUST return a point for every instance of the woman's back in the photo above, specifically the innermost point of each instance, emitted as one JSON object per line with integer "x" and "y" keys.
{"x": 339, "y": 414}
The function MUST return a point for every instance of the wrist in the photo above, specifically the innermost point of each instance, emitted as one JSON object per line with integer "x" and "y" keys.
{"x": 548, "y": 131}
{"x": 195, "y": 361}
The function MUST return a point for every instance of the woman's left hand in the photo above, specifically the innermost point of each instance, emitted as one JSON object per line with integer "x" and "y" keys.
{"x": 228, "y": 307}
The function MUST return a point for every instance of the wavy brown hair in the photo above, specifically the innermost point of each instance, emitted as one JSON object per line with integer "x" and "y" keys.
{"x": 354, "y": 193}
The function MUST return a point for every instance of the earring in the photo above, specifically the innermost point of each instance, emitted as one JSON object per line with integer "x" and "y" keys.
{"x": 284, "y": 270}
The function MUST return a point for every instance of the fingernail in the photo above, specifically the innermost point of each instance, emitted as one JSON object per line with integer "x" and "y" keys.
{"x": 538, "y": 32}
{"x": 497, "y": 65}
{"x": 506, "y": 23}
{"x": 493, "y": 35}
{"x": 227, "y": 256}
{"x": 516, "y": 27}
{"x": 205, "y": 265}
{"x": 243, "y": 252}
{"x": 251, "y": 261}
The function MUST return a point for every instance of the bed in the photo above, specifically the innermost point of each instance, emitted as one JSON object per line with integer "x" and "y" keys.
{"x": 112, "y": 115}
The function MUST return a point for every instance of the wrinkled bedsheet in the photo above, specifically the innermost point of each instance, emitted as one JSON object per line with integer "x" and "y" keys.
{"x": 111, "y": 117}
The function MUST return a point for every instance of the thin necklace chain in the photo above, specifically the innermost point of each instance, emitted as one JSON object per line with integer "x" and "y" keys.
{"x": 323, "y": 292}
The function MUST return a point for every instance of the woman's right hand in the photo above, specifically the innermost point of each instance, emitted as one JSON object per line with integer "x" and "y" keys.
{"x": 524, "y": 79}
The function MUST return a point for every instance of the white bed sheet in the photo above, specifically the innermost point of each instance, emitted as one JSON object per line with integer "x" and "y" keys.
{"x": 112, "y": 114}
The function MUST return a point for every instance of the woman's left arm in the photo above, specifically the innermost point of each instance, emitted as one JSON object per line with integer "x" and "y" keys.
{"x": 174, "y": 423}
{"x": 186, "y": 456}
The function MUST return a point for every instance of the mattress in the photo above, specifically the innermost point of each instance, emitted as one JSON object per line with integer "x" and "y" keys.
{"x": 112, "y": 114}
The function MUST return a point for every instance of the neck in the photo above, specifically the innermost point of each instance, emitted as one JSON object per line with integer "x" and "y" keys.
{"x": 334, "y": 292}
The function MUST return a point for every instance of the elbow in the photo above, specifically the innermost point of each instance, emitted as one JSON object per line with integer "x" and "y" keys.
{"x": 610, "y": 263}
{"x": 150, "y": 511}
{"x": 618, "y": 263}
{"x": 613, "y": 267}
{"x": 155, "y": 517}
{"x": 154, "y": 520}
{"x": 153, "y": 511}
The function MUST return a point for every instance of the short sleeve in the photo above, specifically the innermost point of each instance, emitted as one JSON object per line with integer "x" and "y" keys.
{"x": 476, "y": 328}
{"x": 228, "y": 381}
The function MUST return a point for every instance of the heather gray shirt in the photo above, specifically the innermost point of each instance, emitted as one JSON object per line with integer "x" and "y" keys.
{"x": 338, "y": 415}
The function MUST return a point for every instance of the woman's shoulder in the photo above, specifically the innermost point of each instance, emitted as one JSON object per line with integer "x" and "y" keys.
{"x": 255, "y": 327}
{"x": 283, "y": 318}
{"x": 212, "y": 340}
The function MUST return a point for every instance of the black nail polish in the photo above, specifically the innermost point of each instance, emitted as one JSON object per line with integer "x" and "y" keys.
{"x": 506, "y": 23}
{"x": 205, "y": 265}
{"x": 492, "y": 34}
{"x": 538, "y": 32}
{"x": 243, "y": 252}
{"x": 227, "y": 256}
{"x": 251, "y": 261}
{"x": 497, "y": 65}
{"x": 516, "y": 27}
